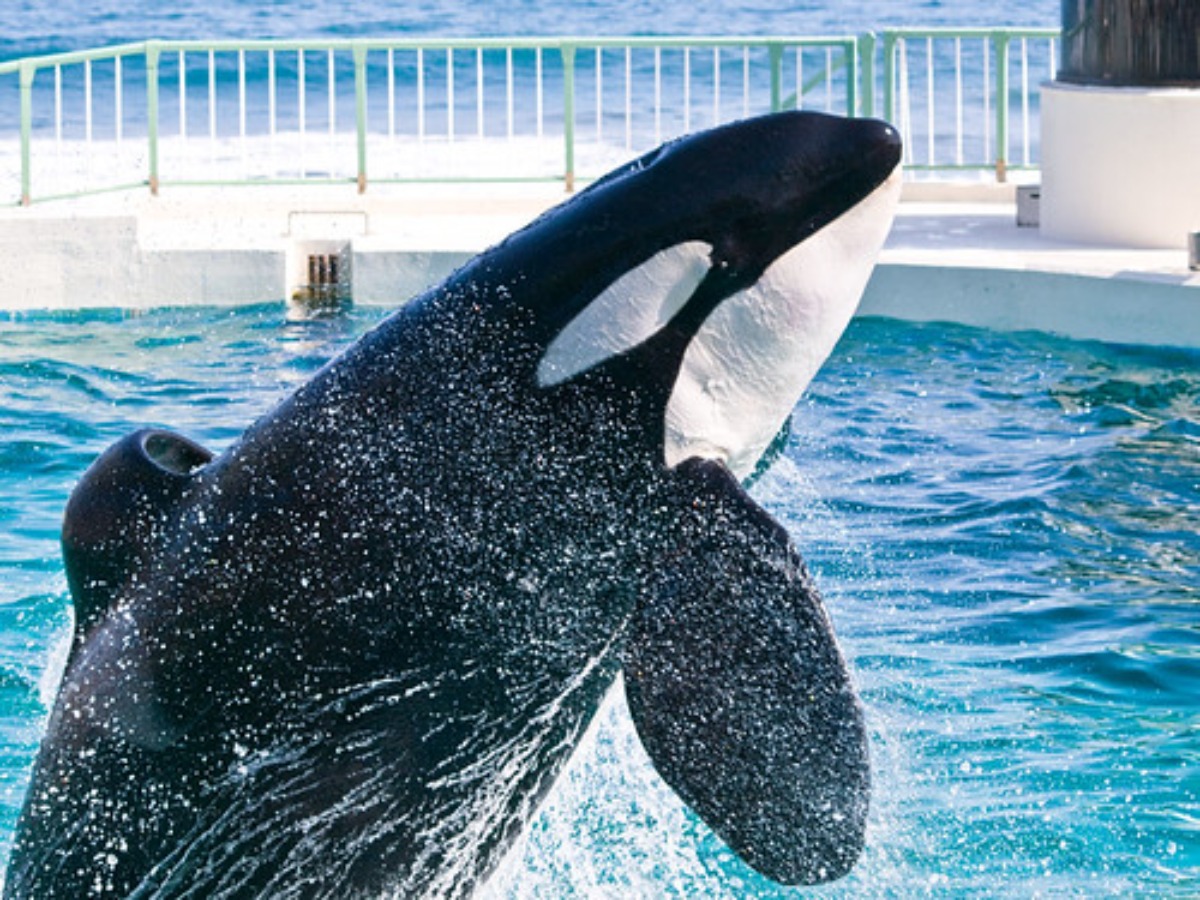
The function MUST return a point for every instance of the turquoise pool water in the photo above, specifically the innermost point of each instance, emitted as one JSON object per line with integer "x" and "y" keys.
{"x": 1006, "y": 527}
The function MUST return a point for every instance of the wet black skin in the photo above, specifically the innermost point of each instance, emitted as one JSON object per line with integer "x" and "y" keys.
{"x": 350, "y": 654}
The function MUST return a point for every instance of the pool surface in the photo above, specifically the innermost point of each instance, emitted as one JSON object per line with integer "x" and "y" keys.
{"x": 1006, "y": 528}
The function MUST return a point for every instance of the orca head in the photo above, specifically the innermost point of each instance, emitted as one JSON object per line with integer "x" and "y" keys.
{"x": 741, "y": 256}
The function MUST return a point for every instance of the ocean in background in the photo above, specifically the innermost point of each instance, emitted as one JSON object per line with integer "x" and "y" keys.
{"x": 89, "y": 123}
{"x": 40, "y": 26}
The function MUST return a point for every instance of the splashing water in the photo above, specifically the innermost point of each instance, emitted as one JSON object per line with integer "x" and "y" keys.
{"x": 1005, "y": 528}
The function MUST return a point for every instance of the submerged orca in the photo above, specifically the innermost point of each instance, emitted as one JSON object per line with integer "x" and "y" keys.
{"x": 348, "y": 656}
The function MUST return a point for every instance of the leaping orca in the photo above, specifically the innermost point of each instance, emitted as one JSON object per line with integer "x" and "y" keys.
{"x": 348, "y": 656}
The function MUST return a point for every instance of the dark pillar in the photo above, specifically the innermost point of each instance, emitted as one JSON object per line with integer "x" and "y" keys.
{"x": 1131, "y": 43}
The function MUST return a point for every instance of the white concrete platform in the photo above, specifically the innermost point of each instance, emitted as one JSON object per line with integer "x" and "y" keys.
{"x": 1119, "y": 163}
{"x": 954, "y": 254}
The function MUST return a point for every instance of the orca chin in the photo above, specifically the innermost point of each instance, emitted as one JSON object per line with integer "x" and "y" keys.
{"x": 349, "y": 655}
{"x": 760, "y": 348}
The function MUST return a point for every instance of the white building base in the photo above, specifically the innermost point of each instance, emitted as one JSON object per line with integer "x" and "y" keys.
{"x": 1120, "y": 165}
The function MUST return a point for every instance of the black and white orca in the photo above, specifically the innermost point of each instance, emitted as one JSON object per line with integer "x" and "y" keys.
{"x": 349, "y": 656}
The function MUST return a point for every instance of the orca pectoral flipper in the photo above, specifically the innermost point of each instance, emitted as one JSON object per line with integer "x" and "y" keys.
{"x": 738, "y": 690}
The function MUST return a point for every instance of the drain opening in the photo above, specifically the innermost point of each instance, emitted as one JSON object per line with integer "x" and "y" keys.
{"x": 328, "y": 284}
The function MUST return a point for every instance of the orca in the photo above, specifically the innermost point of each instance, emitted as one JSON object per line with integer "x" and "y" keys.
{"x": 348, "y": 656}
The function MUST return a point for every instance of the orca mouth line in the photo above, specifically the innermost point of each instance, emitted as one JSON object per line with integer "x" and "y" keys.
{"x": 792, "y": 183}
{"x": 746, "y": 250}
{"x": 741, "y": 256}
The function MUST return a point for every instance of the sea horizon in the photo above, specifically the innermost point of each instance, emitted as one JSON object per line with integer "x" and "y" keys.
{"x": 35, "y": 27}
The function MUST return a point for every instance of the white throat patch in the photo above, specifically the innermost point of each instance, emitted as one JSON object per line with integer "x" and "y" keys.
{"x": 747, "y": 367}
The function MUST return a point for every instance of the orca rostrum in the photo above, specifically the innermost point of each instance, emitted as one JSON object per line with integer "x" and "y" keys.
{"x": 348, "y": 656}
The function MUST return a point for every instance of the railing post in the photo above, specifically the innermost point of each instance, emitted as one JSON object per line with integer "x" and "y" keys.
{"x": 776, "y": 55}
{"x": 26, "y": 86}
{"x": 360, "y": 113}
{"x": 152, "y": 56}
{"x": 889, "y": 76}
{"x": 866, "y": 56}
{"x": 850, "y": 49}
{"x": 1001, "y": 40}
{"x": 568, "y": 59}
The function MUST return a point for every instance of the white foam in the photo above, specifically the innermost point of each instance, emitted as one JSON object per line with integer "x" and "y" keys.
{"x": 68, "y": 166}
{"x": 56, "y": 664}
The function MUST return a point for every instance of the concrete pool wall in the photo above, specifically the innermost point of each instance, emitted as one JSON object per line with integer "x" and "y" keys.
{"x": 955, "y": 254}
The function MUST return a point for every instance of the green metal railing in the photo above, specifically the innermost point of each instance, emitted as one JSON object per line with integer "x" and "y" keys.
{"x": 370, "y": 111}
{"x": 942, "y": 49}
